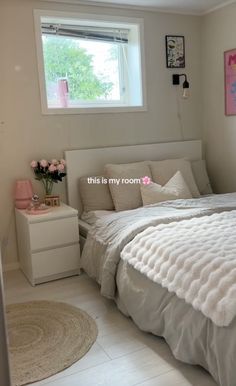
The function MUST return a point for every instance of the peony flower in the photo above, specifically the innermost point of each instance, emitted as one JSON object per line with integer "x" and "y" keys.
{"x": 34, "y": 164}
{"x": 60, "y": 167}
{"x": 63, "y": 162}
{"x": 52, "y": 168}
{"x": 43, "y": 163}
{"x": 48, "y": 172}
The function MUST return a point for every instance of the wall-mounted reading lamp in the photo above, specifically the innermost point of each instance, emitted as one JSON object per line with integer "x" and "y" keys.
{"x": 176, "y": 81}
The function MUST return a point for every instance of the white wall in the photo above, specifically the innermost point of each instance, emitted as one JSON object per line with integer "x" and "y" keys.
{"x": 26, "y": 134}
{"x": 218, "y": 35}
{"x": 4, "y": 359}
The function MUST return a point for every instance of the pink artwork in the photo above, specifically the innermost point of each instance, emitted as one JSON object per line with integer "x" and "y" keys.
{"x": 230, "y": 82}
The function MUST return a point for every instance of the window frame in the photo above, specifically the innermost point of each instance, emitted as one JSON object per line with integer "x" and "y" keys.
{"x": 100, "y": 107}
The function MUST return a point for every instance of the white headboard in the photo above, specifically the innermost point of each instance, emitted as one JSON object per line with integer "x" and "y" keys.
{"x": 88, "y": 162}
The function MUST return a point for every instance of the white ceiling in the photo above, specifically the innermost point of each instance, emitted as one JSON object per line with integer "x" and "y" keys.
{"x": 182, "y": 6}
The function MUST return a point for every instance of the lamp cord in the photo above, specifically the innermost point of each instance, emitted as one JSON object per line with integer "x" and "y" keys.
{"x": 179, "y": 115}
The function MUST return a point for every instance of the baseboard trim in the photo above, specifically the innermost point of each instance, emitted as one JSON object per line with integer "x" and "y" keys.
{"x": 11, "y": 266}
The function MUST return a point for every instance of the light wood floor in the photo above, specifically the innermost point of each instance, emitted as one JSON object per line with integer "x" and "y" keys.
{"x": 122, "y": 354}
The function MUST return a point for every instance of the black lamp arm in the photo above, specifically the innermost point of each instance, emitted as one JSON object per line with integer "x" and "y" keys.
{"x": 176, "y": 80}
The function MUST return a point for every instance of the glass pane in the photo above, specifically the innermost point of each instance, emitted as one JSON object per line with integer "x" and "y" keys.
{"x": 80, "y": 72}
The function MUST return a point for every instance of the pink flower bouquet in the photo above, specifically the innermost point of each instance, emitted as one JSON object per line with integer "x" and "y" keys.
{"x": 49, "y": 172}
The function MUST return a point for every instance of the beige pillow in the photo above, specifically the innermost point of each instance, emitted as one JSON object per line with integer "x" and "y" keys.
{"x": 201, "y": 176}
{"x": 175, "y": 188}
{"x": 162, "y": 171}
{"x": 126, "y": 194}
{"x": 95, "y": 196}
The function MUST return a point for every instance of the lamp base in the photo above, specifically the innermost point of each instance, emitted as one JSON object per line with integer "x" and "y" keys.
{"x": 22, "y": 203}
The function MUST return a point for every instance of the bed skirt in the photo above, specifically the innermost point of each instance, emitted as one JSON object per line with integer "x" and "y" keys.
{"x": 192, "y": 337}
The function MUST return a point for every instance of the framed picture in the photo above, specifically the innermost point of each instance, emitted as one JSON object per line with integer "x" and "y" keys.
{"x": 230, "y": 82}
{"x": 175, "y": 51}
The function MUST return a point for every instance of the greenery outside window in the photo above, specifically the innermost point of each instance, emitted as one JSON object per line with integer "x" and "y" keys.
{"x": 88, "y": 63}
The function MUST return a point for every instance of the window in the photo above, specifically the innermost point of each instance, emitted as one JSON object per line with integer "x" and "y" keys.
{"x": 89, "y": 63}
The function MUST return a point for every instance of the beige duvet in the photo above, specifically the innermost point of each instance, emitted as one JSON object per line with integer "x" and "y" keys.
{"x": 192, "y": 337}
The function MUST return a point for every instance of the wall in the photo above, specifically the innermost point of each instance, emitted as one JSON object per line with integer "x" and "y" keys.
{"x": 4, "y": 359}
{"x": 218, "y": 35}
{"x": 26, "y": 134}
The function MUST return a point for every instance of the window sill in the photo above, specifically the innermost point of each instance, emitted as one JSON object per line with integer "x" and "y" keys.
{"x": 93, "y": 110}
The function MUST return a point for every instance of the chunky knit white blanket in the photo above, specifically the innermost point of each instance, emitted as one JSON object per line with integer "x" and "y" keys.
{"x": 194, "y": 258}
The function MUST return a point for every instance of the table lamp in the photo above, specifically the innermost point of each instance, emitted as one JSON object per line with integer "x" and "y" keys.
{"x": 23, "y": 193}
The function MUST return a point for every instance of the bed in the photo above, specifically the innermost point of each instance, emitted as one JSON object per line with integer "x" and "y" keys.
{"x": 127, "y": 275}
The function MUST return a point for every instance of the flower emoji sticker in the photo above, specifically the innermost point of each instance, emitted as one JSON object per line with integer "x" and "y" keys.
{"x": 146, "y": 180}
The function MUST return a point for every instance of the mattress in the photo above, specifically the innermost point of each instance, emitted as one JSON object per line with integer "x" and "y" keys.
{"x": 84, "y": 228}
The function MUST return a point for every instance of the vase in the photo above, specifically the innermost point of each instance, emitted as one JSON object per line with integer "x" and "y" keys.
{"x": 48, "y": 186}
{"x": 50, "y": 199}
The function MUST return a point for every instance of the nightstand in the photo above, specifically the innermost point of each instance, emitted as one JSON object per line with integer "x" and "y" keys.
{"x": 48, "y": 244}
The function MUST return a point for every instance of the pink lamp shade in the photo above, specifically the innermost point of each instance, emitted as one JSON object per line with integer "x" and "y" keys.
{"x": 23, "y": 193}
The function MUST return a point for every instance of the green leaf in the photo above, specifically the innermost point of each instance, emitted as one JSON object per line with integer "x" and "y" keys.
{"x": 65, "y": 58}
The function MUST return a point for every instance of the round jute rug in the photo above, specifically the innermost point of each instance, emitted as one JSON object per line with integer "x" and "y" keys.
{"x": 45, "y": 338}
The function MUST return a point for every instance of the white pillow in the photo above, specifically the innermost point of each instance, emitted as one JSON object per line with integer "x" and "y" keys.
{"x": 201, "y": 176}
{"x": 175, "y": 188}
{"x": 162, "y": 171}
{"x": 126, "y": 195}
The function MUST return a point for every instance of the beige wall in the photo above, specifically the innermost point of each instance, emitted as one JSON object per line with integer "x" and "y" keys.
{"x": 4, "y": 363}
{"x": 26, "y": 134}
{"x": 218, "y": 35}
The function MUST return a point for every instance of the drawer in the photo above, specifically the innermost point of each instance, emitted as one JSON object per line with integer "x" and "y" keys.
{"x": 53, "y": 233}
{"x": 56, "y": 261}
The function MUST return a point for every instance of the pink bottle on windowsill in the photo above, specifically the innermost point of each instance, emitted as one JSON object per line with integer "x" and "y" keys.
{"x": 23, "y": 193}
{"x": 63, "y": 92}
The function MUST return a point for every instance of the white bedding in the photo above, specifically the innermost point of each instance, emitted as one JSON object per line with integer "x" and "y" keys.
{"x": 92, "y": 216}
{"x": 193, "y": 337}
{"x": 195, "y": 259}
{"x": 109, "y": 235}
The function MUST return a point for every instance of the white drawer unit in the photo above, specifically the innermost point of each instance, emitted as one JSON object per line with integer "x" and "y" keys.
{"x": 48, "y": 244}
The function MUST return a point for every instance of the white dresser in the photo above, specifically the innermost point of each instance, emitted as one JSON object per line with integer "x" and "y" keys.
{"x": 48, "y": 244}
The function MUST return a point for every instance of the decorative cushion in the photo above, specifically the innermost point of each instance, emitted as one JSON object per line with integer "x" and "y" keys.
{"x": 162, "y": 171}
{"x": 124, "y": 183}
{"x": 201, "y": 176}
{"x": 175, "y": 188}
{"x": 95, "y": 196}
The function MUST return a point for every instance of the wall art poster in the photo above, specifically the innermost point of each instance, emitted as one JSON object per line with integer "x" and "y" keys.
{"x": 230, "y": 82}
{"x": 175, "y": 51}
